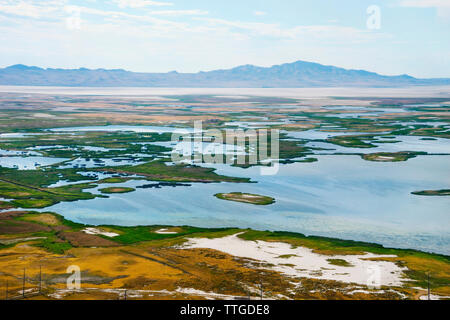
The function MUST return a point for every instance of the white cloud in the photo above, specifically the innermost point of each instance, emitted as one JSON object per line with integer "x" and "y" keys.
{"x": 123, "y": 21}
{"x": 175, "y": 13}
{"x": 425, "y": 3}
{"x": 27, "y": 9}
{"x": 140, "y": 3}
{"x": 259, "y": 13}
{"x": 332, "y": 33}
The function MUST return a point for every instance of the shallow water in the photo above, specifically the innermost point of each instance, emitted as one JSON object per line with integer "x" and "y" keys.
{"x": 338, "y": 196}
{"x": 17, "y": 135}
{"x": 28, "y": 163}
{"x": 100, "y": 149}
{"x": 100, "y": 162}
{"x": 188, "y": 148}
{"x": 4, "y": 152}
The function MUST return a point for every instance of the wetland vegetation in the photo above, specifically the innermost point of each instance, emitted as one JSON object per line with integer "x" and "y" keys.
{"x": 130, "y": 148}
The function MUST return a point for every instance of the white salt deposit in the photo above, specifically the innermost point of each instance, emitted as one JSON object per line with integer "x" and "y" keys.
{"x": 96, "y": 231}
{"x": 303, "y": 262}
{"x": 165, "y": 231}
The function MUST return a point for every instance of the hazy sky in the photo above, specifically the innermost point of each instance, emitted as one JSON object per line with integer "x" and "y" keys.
{"x": 193, "y": 35}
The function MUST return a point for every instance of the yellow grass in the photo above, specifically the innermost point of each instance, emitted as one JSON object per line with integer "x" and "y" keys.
{"x": 44, "y": 218}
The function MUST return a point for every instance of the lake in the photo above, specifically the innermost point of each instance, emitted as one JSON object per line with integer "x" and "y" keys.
{"x": 338, "y": 196}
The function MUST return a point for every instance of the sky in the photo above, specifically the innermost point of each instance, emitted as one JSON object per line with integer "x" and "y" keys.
{"x": 386, "y": 36}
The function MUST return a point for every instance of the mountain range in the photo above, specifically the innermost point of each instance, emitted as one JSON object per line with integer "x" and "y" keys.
{"x": 290, "y": 75}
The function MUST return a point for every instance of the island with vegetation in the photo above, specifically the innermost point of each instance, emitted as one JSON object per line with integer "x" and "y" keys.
{"x": 117, "y": 190}
{"x": 246, "y": 198}
{"x": 442, "y": 192}
{"x": 391, "y": 156}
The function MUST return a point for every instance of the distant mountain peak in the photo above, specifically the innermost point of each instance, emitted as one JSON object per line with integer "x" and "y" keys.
{"x": 23, "y": 67}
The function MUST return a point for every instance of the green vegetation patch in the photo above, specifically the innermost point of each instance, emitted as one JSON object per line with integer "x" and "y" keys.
{"x": 54, "y": 245}
{"x": 26, "y": 196}
{"x": 339, "y": 262}
{"x": 33, "y": 203}
{"x": 41, "y": 178}
{"x": 115, "y": 180}
{"x": 6, "y": 205}
{"x": 287, "y": 256}
{"x": 131, "y": 235}
{"x": 159, "y": 171}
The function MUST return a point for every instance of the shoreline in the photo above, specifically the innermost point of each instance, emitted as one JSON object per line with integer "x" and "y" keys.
{"x": 299, "y": 263}
{"x": 362, "y": 243}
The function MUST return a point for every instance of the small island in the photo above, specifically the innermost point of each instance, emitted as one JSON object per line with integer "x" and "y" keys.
{"x": 391, "y": 157}
{"x": 246, "y": 198}
{"x": 443, "y": 192}
{"x": 116, "y": 190}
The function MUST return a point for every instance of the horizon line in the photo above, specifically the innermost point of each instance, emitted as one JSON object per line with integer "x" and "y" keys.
{"x": 217, "y": 69}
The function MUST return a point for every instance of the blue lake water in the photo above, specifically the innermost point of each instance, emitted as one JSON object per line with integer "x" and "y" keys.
{"x": 28, "y": 163}
{"x": 338, "y": 196}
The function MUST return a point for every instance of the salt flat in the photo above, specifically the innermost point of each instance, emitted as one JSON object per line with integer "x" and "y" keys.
{"x": 302, "y": 93}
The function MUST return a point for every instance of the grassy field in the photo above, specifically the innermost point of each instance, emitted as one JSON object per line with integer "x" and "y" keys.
{"x": 142, "y": 258}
